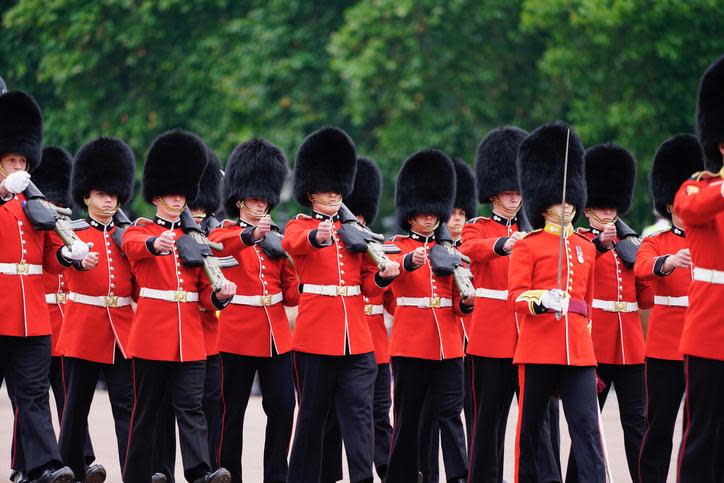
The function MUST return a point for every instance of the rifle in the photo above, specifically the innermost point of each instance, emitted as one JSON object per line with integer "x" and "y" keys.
{"x": 445, "y": 259}
{"x": 195, "y": 250}
{"x": 358, "y": 238}
{"x": 628, "y": 244}
{"x": 46, "y": 216}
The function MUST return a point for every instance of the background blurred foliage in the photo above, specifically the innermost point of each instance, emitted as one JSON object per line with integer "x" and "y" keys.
{"x": 398, "y": 75}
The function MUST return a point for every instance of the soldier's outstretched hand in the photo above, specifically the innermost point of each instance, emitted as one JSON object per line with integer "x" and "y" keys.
{"x": 89, "y": 261}
{"x": 263, "y": 227}
{"x": 392, "y": 269}
{"x": 508, "y": 245}
{"x": 228, "y": 289}
{"x": 164, "y": 242}
{"x": 324, "y": 232}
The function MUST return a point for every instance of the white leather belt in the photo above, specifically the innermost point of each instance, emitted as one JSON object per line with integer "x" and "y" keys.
{"x": 170, "y": 295}
{"x": 613, "y": 306}
{"x": 707, "y": 275}
{"x": 21, "y": 269}
{"x": 332, "y": 290}
{"x": 424, "y": 302}
{"x": 100, "y": 300}
{"x": 55, "y": 298}
{"x": 487, "y": 293}
{"x": 671, "y": 301}
{"x": 374, "y": 309}
{"x": 258, "y": 300}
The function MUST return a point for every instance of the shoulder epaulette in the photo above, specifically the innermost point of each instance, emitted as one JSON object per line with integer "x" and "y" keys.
{"x": 533, "y": 232}
{"x": 657, "y": 233}
{"x": 227, "y": 223}
{"x": 477, "y": 219}
{"x": 142, "y": 222}
{"x": 302, "y": 216}
{"x": 582, "y": 235}
{"x": 398, "y": 237}
{"x": 700, "y": 175}
{"x": 79, "y": 225}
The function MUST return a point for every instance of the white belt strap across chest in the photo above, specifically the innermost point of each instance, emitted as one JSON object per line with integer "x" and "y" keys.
{"x": 332, "y": 290}
{"x": 486, "y": 293}
{"x": 613, "y": 306}
{"x": 424, "y": 302}
{"x": 99, "y": 300}
{"x": 170, "y": 295}
{"x": 707, "y": 275}
{"x": 257, "y": 300}
{"x": 682, "y": 301}
{"x": 55, "y": 298}
{"x": 374, "y": 309}
{"x": 21, "y": 269}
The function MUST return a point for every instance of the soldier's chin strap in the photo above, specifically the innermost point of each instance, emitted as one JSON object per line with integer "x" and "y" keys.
{"x": 314, "y": 198}
{"x": 171, "y": 208}
{"x": 506, "y": 212}
{"x": 89, "y": 203}
{"x": 418, "y": 228}
{"x": 253, "y": 214}
{"x": 603, "y": 221}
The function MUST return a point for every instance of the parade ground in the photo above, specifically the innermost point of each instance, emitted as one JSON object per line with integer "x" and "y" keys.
{"x": 104, "y": 440}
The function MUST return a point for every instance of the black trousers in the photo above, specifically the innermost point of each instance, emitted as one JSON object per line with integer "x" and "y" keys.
{"x": 277, "y": 390}
{"x": 346, "y": 382}
{"x": 577, "y": 389}
{"x": 25, "y": 364}
{"x": 664, "y": 391}
{"x": 414, "y": 378}
{"x": 81, "y": 379}
{"x": 702, "y": 451}
{"x": 211, "y": 403}
{"x": 164, "y": 439}
{"x": 495, "y": 381}
{"x": 332, "y": 446}
{"x": 430, "y": 432}
{"x": 630, "y": 384}
{"x": 184, "y": 381}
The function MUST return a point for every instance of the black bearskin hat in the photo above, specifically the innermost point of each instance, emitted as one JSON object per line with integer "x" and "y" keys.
{"x": 53, "y": 175}
{"x": 674, "y": 162}
{"x": 326, "y": 162}
{"x": 425, "y": 184}
{"x": 710, "y": 114}
{"x": 540, "y": 170}
{"x": 21, "y": 127}
{"x": 610, "y": 177}
{"x": 496, "y": 161}
{"x": 209, "y": 197}
{"x": 365, "y": 198}
{"x": 104, "y": 164}
{"x": 465, "y": 194}
{"x": 256, "y": 169}
{"x": 174, "y": 165}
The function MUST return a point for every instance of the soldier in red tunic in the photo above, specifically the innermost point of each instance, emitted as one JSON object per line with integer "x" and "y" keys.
{"x": 364, "y": 204}
{"x": 25, "y": 330}
{"x": 97, "y": 321}
{"x": 254, "y": 334}
{"x": 334, "y": 351}
{"x": 493, "y": 334}
{"x": 699, "y": 204}
{"x": 618, "y": 338}
{"x": 664, "y": 261}
{"x": 166, "y": 340}
{"x": 426, "y": 343}
{"x": 550, "y": 286}
{"x": 464, "y": 208}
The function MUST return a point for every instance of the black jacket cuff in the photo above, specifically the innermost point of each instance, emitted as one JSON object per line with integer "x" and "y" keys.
{"x": 466, "y": 309}
{"x": 150, "y": 247}
{"x": 498, "y": 247}
{"x": 659, "y": 266}
{"x": 599, "y": 246}
{"x": 66, "y": 262}
{"x": 247, "y": 237}
{"x": 313, "y": 240}
{"x": 407, "y": 263}
{"x": 383, "y": 282}
{"x": 539, "y": 309}
{"x": 219, "y": 304}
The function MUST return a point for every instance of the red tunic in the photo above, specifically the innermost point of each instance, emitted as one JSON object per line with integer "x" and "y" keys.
{"x": 331, "y": 325}
{"x": 55, "y": 295}
{"x": 424, "y": 332}
{"x": 618, "y": 337}
{"x": 533, "y": 270}
{"x": 164, "y": 330}
{"x": 91, "y": 332}
{"x": 494, "y": 331}
{"x": 700, "y": 205}
{"x": 253, "y": 330}
{"x": 22, "y": 305}
{"x": 667, "y": 320}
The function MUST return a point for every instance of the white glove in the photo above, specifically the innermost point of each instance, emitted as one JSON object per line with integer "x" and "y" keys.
{"x": 77, "y": 251}
{"x": 556, "y": 300}
{"x": 17, "y": 182}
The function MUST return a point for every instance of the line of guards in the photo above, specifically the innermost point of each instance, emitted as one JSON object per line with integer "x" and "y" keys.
{"x": 554, "y": 317}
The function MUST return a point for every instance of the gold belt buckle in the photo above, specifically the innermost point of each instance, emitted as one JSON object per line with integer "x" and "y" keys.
{"x": 368, "y": 309}
{"x": 620, "y": 306}
{"x": 266, "y": 300}
{"x": 179, "y": 296}
{"x": 111, "y": 300}
{"x": 60, "y": 298}
{"x": 435, "y": 302}
{"x": 342, "y": 290}
{"x": 22, "y": 268}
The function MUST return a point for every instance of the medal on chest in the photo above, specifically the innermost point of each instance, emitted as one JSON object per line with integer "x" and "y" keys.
{"x": 579, "y": 254}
